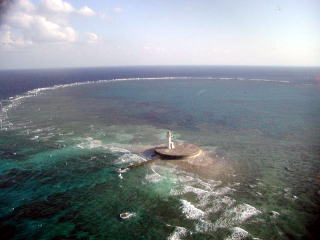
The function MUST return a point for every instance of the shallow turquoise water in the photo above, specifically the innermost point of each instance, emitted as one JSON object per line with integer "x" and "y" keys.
{"x": 258, "y": 179}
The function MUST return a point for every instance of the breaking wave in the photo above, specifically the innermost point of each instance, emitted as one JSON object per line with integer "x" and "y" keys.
{"x": 209, "y": 205}
{"x": 178, "y": 233}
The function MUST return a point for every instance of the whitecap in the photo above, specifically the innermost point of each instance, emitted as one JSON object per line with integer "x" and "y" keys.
{"x": 185, "y": 179}
{"x": 222, "y": 191}
{"x": 212, "y": 196}
{"x": 122, "y": 170}
{"x": 153, "y": 178}
{"x": 274, "y": 214}
{"x": 90, "y": 143}
{"x": 34, "y": 138}
{"x": 129, "y": 158}
{"x": 178, "y": 233}
{"x": 216, "y": 204}
{"x": 116, "y": 149}
{"x": 203, "y": 226}
{"x": 238, "y": 234}
{"x": 37, "y": 130}
{"x": 237, "y": 215}
{"x": 187, "y": 189}
{"x": 190, "y": 211}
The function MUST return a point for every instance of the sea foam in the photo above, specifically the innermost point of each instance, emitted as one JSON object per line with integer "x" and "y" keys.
{"x": 237, "y": 215}
{"x": 178, "y": 233}
{"x": 190, "y": 211}
{"x": 238, "y": 234}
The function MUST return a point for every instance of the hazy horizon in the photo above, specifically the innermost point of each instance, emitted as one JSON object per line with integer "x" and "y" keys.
{"x": 169, "y": 66}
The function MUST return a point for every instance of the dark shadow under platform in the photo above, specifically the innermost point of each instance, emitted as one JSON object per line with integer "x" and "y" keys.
{"x": 181, "y": 150}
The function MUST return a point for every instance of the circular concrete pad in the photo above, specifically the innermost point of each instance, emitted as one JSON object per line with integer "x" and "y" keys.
{"x": 181, "y": 150}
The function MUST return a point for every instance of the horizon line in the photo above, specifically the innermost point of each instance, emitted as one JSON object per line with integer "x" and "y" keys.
{"x": 157, "y": 65}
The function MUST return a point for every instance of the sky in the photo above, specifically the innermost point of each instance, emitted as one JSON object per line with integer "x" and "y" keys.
{"x": 78, "y": 33}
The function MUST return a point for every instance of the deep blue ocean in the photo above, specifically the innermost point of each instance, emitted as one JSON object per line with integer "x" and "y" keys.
{"x": 66, "y": 132}
{"x": 15, "y": 82}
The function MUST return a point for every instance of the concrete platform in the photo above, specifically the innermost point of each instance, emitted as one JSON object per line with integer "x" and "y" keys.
{"x": 181, "y": 150}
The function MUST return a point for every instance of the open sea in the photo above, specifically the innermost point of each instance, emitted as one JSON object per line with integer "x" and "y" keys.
{"x": 65, "y": 133}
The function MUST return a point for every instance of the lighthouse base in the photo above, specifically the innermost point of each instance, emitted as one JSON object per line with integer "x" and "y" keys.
{"x": 181, "y": 150}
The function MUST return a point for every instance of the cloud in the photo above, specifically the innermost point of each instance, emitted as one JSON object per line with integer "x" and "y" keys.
{"x": 28, "y": 24}
{"x": 92, "y": 37}
{"x": 8, "y": 41}
{"x": 118, "y": 10}
{"x": 86, "y": 11}
{"x": 56, "y": 6}
{"x": 45, "y": 30}
{"x": 22, "y": 5}
{"x": 63, "y": 7}
{"x": 4, "y": 5}
{"x": 20, "y": 20}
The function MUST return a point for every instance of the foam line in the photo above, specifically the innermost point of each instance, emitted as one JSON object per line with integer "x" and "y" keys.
{"x": 17, "y": 100}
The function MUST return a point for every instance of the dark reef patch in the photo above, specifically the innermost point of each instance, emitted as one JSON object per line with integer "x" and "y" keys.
{"x": 53, "y": 205}
{"x": 14, "y": 176}
{"x": 7, "y": 231}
